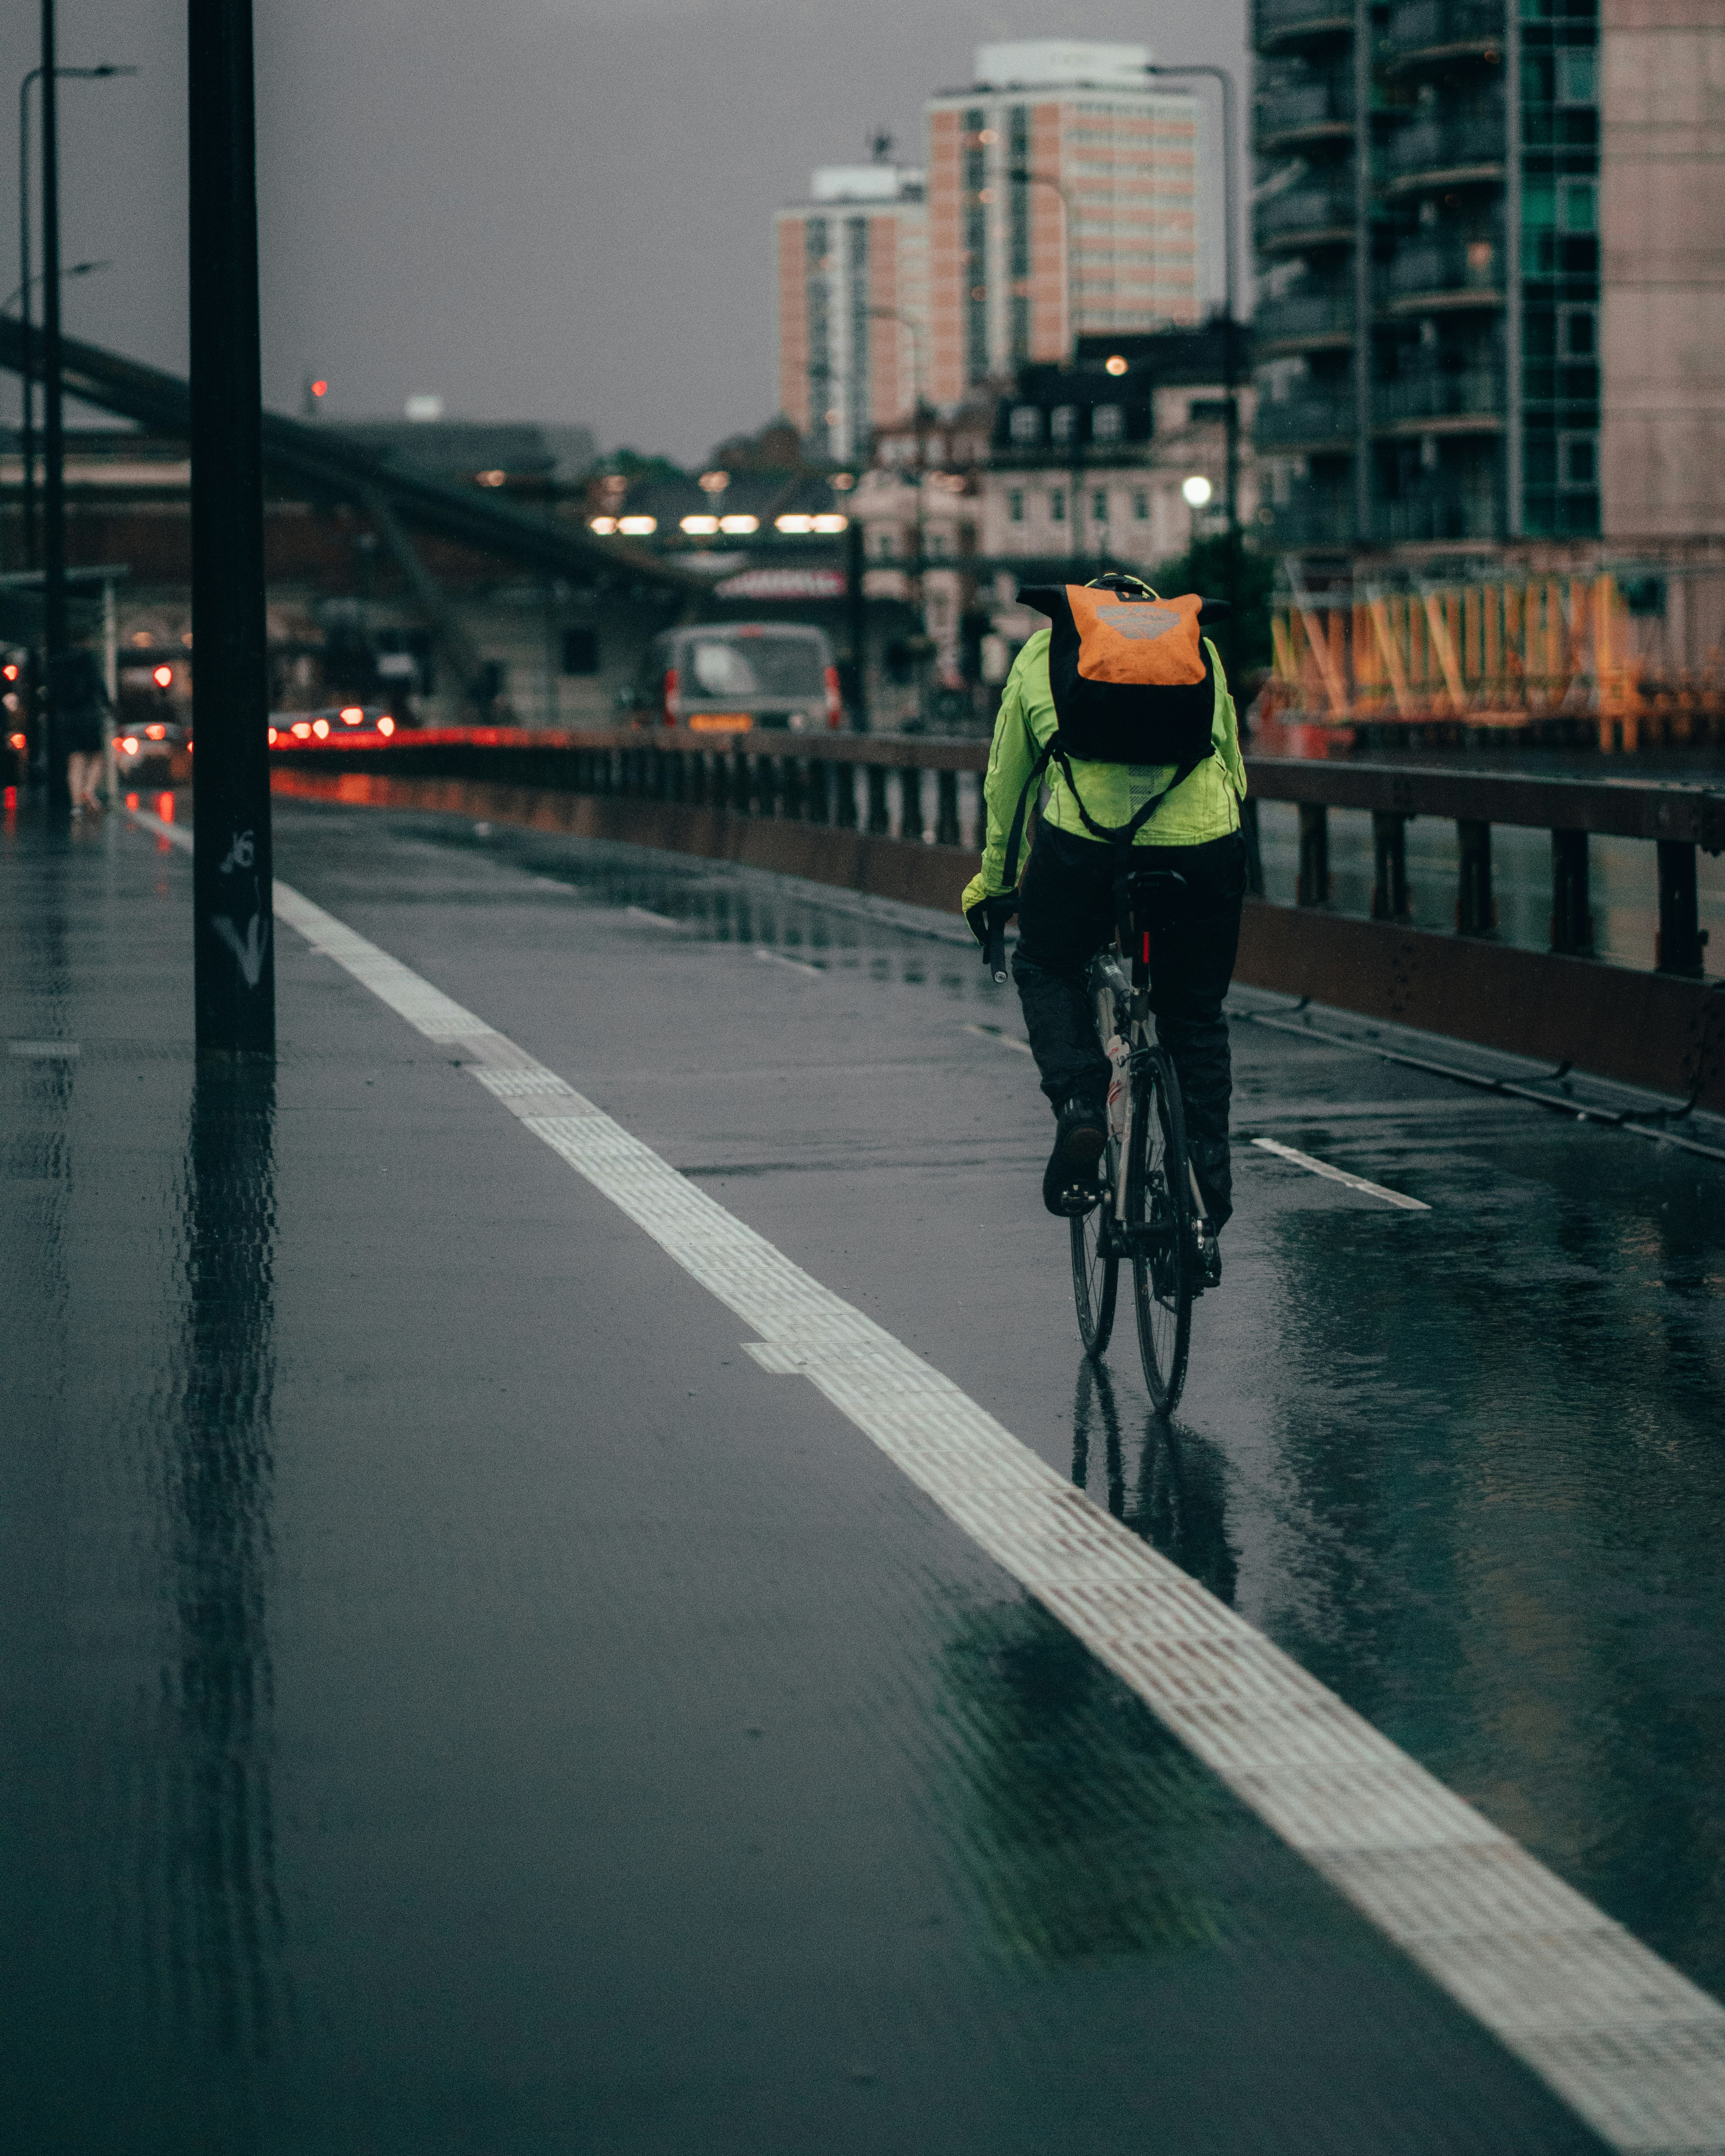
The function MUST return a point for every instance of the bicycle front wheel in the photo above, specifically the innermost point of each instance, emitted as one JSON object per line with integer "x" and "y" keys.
{"x": 1095, "y": 1271}
{"x": 1159, "y": 1213}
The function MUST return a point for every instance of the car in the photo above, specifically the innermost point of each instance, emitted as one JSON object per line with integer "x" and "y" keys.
{"x": 730, "y": 677}
{"x": 155, "y": 753}
{"x": 341, "y": 722}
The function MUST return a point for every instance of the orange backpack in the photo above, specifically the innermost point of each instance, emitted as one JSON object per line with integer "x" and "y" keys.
{"x": 1130, "y": 674}
{"x": 1133, "y": 683}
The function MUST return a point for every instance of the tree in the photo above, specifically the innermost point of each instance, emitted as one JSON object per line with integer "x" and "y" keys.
{"x": 1246, "y": 645}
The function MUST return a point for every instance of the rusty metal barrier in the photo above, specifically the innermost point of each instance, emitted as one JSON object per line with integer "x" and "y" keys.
{"x": 860, "y": 812}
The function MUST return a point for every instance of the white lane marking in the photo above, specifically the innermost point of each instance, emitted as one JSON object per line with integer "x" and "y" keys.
{"x": 44, "y": 1051}
{"x": 1001, "y": 1039}
{"x": 645, "y": 913}
{"x": 1635, "y": 2048}
{"x": 551, "y": 883}
{"x": 1341, "y": 1175}
{"x": 796, "y": 965}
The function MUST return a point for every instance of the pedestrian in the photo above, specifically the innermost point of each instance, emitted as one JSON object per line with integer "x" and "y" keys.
{"x": 80, "y": 711}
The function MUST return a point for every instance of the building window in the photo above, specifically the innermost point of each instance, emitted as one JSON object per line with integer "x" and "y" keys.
{"x": 581, "y": 651}
{"x": 937, "y": 545}
{"x": 856, "y": 388}
{"x": 820, "y": 363}
{"x": 1577, "y": 198}
{"x": 976, "y": 244}
{"x": 1577, "y": 460}
{"x": 1098, "y": 504}
{"x": 1578, "y": 333}
{"x": 1578, "y": 75}
{"x": 1015, "y": 504}
{"x": 885, "y": 546}
{"x": 1026, "y": 423}
{"x": 1207, "y": 412}
{"x": 1141, "y": 506}
{"x": 1107, "y": 424}
{"x": 1063, "y": 423}
{"x": 1057, "y": 504}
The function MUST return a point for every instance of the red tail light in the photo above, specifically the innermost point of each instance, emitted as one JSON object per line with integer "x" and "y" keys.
{"x": 835, "y": 702}
{"x": 670, "y": 690}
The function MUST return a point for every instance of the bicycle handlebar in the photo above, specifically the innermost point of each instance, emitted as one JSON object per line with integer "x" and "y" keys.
{"x": 997, "y": 912}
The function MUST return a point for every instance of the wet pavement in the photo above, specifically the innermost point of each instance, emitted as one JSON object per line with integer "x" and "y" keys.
{"x": 459, "y": 1701}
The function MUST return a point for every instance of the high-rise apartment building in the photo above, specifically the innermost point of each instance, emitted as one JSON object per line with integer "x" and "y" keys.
{"x": 853, "y": 304}
{"x": 1491, "y": 254}
{"x": 1063, "y": 198}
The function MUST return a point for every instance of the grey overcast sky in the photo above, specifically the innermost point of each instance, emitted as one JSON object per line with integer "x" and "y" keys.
{"x": 557, "y": 210}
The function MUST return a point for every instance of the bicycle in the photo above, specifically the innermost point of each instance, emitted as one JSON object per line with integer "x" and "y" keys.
{"x": 1147, "y": 1207}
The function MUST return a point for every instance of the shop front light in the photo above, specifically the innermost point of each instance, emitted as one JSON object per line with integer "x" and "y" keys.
{"x": 700, "y": 527}
{"x": 386, "y": 725}
{"x": 352, "y": 714}
{"x": 130, "y": 745}
{"x": 832, "y": 522}
{"x": 156, "y": 733}
{"x": 739, "y": 526}
{"x": 1196, "y": 490}
{"x": 272, "y": 737}
{"x": 793, "y": 523}
{"x": 604, "y": 526}
{"x": 637, "y": 527}
{"x": 302, "y": 729}
{"x": 321, "y": 727}
{"x": 163, "y": 677}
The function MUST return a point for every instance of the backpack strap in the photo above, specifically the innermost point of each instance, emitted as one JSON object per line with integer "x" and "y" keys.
{"x": 1119, "y": 837}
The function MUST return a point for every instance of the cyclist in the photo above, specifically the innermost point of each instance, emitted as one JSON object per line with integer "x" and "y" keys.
{"x": 1068, "y": 909}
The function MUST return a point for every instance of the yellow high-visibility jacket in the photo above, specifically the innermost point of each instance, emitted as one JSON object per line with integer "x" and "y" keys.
{"x": 1204, "y": 805}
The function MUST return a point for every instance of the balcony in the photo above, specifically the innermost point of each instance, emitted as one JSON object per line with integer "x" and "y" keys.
{"x": 1305, "y": 321}
{"x": 1422, "y": 31}
{"x": 1305, "y": 115}
{"x": 1317, "y": 517}
{"x": 1471, "y": 402}
{"x": 1445, "y": 275}
{"x": 1305, "y": 217}
{"x": 1306, "y": 422}
{"x": 1426, "y": 519}
{"x": 1279, "y": 25}
{"x": 1448, "y": 149}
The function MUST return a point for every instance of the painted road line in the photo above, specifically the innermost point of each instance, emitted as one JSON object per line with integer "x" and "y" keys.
{"x": 1635, "y": 2048}
{"x": 796, "y": 965}
{"x": 1341, "y": 1175}
{"x": 646, "y": 913}
{"x": 1001, "y": 1039}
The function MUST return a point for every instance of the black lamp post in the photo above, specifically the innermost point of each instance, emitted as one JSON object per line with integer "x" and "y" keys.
{"x": 233, "y": 903}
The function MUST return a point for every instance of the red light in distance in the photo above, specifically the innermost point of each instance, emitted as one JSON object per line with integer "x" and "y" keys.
{"x": 163, "y": 677}
{"x": 320, "y": 389}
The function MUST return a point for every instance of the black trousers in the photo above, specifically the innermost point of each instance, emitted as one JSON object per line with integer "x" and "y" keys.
{"x": 1066, "y": 913}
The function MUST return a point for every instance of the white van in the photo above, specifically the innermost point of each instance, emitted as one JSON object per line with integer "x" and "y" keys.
{"x": 731, "y": 677}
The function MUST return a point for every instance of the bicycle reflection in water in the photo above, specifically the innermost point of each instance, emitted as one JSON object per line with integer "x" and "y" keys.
{"x": 1178, "y": 1501}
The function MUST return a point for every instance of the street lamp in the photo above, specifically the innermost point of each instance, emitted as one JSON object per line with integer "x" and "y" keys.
{"x": 77, "y": 269}
{"x": 1026, "y": 178}
{"x": 907, "y": 322}
{"x": 1229, "y": 329}
{"x": 26, "y": 281}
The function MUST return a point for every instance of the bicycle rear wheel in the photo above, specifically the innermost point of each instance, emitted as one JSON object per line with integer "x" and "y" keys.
{"x": 1096, "y": 1272}
{"x": 1159, "y": 1215}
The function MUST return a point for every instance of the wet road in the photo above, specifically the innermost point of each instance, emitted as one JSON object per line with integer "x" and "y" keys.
{"x": 458, "y": 1699}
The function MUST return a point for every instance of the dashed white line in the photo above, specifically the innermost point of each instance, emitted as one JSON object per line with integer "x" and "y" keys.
{"x": 796, "y": 965}
{"x": 1635, "y": 2048}
{"x": 1334, "y": 1174}
{"x": 1000, "y": 1039}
